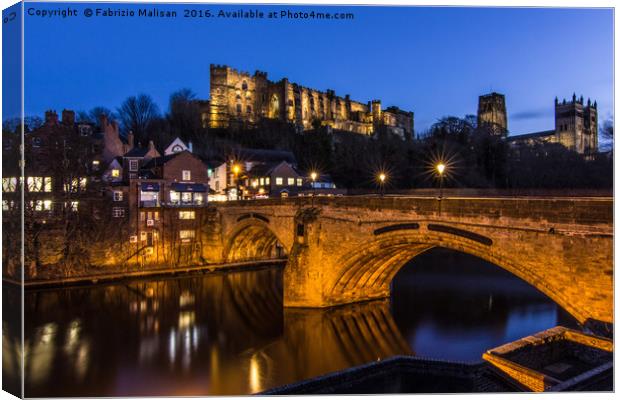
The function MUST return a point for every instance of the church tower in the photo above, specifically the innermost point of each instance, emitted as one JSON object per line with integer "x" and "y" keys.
{"x": 492, "y": 113}
{"x": 576, "y": 125}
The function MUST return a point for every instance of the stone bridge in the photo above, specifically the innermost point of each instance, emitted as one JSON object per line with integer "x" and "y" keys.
{"x": 348, "y": 249}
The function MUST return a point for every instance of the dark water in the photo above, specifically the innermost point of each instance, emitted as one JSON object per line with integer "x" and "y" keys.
{"x": 228, "y": 333}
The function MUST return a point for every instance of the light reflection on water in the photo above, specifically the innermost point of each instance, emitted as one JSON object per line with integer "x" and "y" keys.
{"x": 228, "y": 333}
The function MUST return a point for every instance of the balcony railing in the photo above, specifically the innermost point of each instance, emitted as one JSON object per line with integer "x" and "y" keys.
{"x": 186, "y": 203}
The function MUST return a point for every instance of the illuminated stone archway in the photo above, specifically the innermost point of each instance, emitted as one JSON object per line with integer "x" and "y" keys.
{"x": 253, "y": 240}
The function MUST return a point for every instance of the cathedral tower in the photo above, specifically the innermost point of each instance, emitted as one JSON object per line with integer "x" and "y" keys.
{"x": 492, "y": 113}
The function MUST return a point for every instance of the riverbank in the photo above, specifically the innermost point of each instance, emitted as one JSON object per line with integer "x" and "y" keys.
{"x": 93, "y": 279}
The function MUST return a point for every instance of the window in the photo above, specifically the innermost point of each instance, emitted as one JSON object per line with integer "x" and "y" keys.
{"x": 75, "y": 184}
{"x": 7, "y": 205}
{"x": 118, "y": 195}
{"x": 262, "y": 181}
{"x": 267, "y": 179}
{"x": 249, "y": 109}
{"x": 187, "y": 175}
{"x": 198, "y": 199}
{"x": 36, "y": 142}
{"x": 35, "y": 183}
{"x": 41, "y": 205}
{"x": 290, "y": 181}
{"x": 187, "y": 234}
{"x": 244, "y": 85}
{"x": 279, "y": 181}
{"x": 299, "y": 181}
{"x": 73, "y": 206}
{"x": 133, "y": 165}
{"x": 9, "y": 184}
{"x": 239, "y": 108}
{"x": 95, "y": 165}
{"x": 187, "y": 214}
{"x": 115, "y": 173}
{"x": 142, "y": 215}
{"x": 174, "y": 196}
{"x": 118, "y": 212}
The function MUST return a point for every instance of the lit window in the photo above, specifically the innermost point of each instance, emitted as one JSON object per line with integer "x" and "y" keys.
{"x": 118, "y": 212}
{"x": 290, "y": 181}
{"x": 267, "y": 180}
{"x": 279, "y": 181}
{"x": 299, "y": 181}
{"x": 75, "y": 185}
{"x": 156, "y": 215}
{"x": 9, "y": 184}
{"x": 118, "y": 195}
{"x": 133, "y": 165}
{"x": 198, "y": 199}
{"x": 41, "y": 205}
{"x": 187, "y": 214}
{"x": 187, "y": 234}
{"x": 47, "y": 184}
{"x": 187, "y": 175}
{"x": 7, "y": 205}
{"x": 142, "y": 215}
{"x": 35, "y": 183}
{"x": 96, "y": 165}
{"x": 262, "y": 181}
{"x": 174, "y": 196}
{"x": 116, "y": 173}
{"x": 74, "y": 206}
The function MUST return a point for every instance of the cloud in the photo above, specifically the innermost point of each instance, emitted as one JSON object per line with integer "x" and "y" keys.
{"x": 530, "y": 114}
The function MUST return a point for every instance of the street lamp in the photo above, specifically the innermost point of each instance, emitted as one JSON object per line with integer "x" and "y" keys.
{"x": 236, "y": 169}
{"x": 313, "y": 176}
{"x": 441, "y": 167}
{"x": 382, "y": 178}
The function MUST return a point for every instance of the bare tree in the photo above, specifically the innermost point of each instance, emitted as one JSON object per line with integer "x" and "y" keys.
{"x": 137, "y": 113}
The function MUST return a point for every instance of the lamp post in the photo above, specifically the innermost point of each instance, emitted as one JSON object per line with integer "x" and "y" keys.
{"x": 254, "y": 186}
{"x": 441, "y": 167}
{"x": 313, "y": 176}
{"x": 236, "y": 169}
{"x": 382, "y": 178}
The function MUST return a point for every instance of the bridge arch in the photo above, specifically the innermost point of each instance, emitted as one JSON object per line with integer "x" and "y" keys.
{"x": 253, "y": 239}
{"x": 368, "y": 273}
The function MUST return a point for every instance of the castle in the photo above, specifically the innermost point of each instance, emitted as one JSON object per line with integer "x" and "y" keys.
{"x": 576, "y": 124}
{"x": 238, "y": 100}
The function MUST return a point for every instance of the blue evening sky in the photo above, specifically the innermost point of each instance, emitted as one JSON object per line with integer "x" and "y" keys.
{"x": 433, "y": 61}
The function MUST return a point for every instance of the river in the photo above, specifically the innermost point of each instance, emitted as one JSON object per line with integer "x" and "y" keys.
{"x": 228, "y": 333}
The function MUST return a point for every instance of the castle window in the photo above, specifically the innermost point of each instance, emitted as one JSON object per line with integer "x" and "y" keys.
{"x": 290, "y": 103}
{"x": 244, "y": 85}
{"x": 249, "y": 109}
{"x": 239, "y": 108}
{"x": 238, "y": 97}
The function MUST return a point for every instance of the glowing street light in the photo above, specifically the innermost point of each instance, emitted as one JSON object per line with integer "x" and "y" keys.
{"x": 236, "y": 168}
{"x": 441, "y": 167}
{"x": 382, "y": 177}
{"x": 313, "y": 176}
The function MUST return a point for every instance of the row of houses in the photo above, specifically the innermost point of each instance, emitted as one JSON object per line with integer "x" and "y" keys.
{"x": 74, "y": 168}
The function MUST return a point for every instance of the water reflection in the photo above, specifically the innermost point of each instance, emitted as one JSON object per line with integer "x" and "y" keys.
{"x": 229, "y": 334}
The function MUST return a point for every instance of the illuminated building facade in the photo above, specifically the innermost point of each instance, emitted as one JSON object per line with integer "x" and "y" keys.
{"x": 240, "y": 100}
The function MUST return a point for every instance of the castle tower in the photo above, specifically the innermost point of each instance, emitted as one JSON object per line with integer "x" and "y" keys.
{"x": 492, "y": 113}
{"x": 576, "y": 126}
{"x": 218, "y": 106}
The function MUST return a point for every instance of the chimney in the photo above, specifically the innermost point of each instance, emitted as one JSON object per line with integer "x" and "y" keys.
{"x": 68, "y": 117}
{"x": 51, "y": 118}
{"x": 130, "y": 139}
